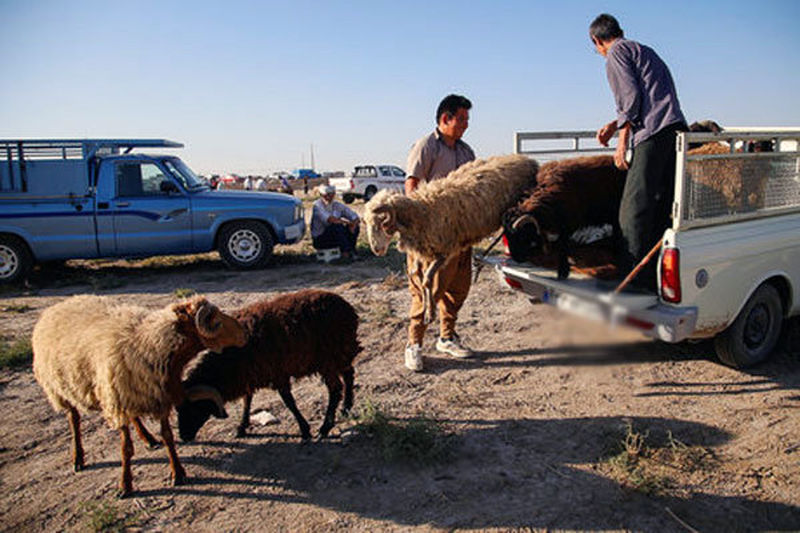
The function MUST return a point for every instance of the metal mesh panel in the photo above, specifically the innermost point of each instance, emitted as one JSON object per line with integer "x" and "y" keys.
{"x": 722, "y": 186}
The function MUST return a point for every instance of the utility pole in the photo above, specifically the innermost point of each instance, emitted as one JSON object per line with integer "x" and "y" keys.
{"x": 312, "y": 156}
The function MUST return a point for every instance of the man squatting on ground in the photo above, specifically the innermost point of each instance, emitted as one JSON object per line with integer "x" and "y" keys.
{"x": 648, "y": 117}
{"x": 431, "y": 158}
{"x": 333, "y": 224}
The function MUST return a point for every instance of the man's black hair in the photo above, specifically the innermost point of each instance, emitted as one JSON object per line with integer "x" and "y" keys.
{"x": 451, "y": 104}
{"x": 605, "y": 28}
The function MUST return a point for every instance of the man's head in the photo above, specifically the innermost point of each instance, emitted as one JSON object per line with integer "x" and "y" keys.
{"x": 327, "y": 192}
{"x": 603, "y": 31}
{"x": 452, "y": 115}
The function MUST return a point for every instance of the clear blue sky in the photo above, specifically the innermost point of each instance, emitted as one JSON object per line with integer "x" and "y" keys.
{"x": 248, "y": 87}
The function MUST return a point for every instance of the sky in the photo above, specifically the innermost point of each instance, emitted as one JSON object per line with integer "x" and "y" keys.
{"x": 257, "y": 87}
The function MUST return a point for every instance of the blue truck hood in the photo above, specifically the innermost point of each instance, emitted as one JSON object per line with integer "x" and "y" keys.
{"x": 246, "y": 195}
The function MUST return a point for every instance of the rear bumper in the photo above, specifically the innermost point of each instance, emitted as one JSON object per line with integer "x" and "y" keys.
{"x": 596, "y": 300}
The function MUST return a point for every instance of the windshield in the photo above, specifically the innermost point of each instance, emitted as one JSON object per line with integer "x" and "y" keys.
{"x": 184, "y": 174}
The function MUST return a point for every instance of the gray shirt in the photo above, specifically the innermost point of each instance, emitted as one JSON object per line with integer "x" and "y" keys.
{"x": 430, "y": 158}
{"x": 643, "y": 89}
{"x": 321, "y": 212}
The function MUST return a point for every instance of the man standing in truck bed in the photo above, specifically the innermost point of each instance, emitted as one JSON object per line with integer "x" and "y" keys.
{"x": 648, "y": 117}
{"x": 431, "y": 158}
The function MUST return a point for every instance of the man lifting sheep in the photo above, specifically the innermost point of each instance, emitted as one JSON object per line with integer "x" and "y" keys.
{"x": 648, "y": 118}
{"x": 431, "y": 158}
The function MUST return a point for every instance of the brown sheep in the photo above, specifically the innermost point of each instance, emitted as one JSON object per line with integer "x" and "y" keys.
{"x": 291, "y": 336}
{"x": 570, "y": 194}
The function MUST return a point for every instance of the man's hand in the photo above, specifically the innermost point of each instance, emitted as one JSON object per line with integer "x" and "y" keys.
{"x": 622, "y": 146}
{"x": 411, "y": 184}
{"x": 619, "y": 157}
{"x": 605, "y": 133}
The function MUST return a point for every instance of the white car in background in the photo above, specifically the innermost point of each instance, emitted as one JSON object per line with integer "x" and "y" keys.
{"x": 366, "y": 180}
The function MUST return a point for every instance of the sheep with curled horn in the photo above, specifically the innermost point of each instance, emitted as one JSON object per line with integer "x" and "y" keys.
{"x": 569, "y": 194}
{"x": 445, "y": 216}
{"x": 125, "y": 361}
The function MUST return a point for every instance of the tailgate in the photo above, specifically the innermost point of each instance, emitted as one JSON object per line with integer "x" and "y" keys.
{"x": 592, "y": 298}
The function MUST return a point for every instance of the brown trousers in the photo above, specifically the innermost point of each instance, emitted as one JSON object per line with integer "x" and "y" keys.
{"x": 450, "y": 288}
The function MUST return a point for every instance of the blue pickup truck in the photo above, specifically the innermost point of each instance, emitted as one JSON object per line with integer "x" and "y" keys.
{"x": 91, "y": 198}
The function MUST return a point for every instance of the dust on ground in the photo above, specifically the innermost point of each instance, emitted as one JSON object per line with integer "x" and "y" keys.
{"x": 537, "y": 422}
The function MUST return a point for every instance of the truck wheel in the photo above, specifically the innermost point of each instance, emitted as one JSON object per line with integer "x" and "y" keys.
{"x": 369, "y": 193}
{"x": 348, "y": 198}
{"x": 755, "y": 332}
{"x": 15, "y": 259}
{"x": 245, "y": 245}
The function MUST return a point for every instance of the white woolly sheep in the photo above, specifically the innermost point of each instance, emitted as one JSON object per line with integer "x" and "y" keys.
{"x": 446, "y": 216}
{"x": 125, "y": 361}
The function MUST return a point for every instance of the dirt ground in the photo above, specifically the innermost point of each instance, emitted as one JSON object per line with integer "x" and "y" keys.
{"x": 535, "y": 424}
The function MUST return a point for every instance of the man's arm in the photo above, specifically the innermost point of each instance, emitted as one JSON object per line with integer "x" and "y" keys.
{"x": 622, "y": 147}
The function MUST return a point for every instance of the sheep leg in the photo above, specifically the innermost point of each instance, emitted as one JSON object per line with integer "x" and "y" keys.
{"x": 145, "y": 435}
{"x": 347, "y": 377}
{"x": 126, "y": 482}
{"x": 285, "y": 391}
{"x": 178, "y": 473}
{"x": 241, "y": 430}
{"x": 427, "y": 289}
{"x": 334, "y": 385}
{"x": 563, "y": 257}
{"x": 74, "y": 417}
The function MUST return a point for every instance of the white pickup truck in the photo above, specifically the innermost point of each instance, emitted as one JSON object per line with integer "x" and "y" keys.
{"x": 728, "y": 268}
{"x": 366, "y": 180}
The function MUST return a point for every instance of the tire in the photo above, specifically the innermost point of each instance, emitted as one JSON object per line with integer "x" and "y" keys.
{"x": 15, "y": 259}
{"x": 751, "y": 338}
{"x": 245, "y": 245}
{"x": 369, "y": 193}
{"x": 348, "y": 198}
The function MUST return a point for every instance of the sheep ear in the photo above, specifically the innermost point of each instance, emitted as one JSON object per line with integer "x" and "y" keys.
{"x": 387, "y": 224}
{"x": 204, "y": 318}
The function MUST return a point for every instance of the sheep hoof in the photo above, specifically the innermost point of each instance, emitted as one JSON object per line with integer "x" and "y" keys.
{"x": 154, "y": 446}
{"x": 178, "y": 481}
{"x": 241, "y": 432}
{"x": 124, "y": 493}
{"x": 78, "y": 467}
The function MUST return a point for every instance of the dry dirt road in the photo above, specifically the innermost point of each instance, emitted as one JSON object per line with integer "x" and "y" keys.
{"x": 557, "y": 423}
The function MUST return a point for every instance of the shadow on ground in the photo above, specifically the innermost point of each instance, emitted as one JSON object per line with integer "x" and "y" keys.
{"x": 505, "y": 473}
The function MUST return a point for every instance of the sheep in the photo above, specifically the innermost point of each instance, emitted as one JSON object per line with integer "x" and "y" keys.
{"x": 294, "y": 335}
{"x": 727, "y": 185}
{"x": 446, "y": 216}
{"x": 125, "y": 361}
{"x": 569, "y": 194}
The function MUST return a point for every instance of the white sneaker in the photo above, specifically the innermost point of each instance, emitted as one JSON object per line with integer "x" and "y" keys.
{"x": 453, "y": 347}
{"x": 414, "y": 357}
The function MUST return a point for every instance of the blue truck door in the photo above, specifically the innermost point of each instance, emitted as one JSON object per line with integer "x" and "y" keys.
{"x": 151, "y": 214}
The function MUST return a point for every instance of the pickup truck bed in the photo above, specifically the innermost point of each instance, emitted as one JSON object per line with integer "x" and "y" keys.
{"x": 729, "y": 267}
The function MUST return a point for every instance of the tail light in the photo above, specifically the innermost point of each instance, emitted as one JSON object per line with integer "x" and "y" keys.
{"x": 352, "y": 184}
{"x": 506, "y": 249}
{"x": 671, "y": 276}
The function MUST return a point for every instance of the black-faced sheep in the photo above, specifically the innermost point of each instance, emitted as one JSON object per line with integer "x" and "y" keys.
{"x": 446, "y": 216}
{"x": 125, "y": 361}
{"x": 291, "y": 336}
{"x": 570, "y": 194}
